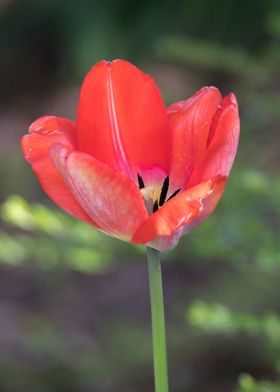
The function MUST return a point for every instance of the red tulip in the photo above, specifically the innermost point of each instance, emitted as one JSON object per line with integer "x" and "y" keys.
{"x": 130, "y": 167}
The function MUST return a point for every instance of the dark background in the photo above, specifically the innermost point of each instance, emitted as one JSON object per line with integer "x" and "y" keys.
{"x": 74, "y": 304}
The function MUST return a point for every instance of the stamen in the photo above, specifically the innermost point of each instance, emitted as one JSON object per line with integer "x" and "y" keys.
{"x": 155, "y": 207}
{"x": 140, "y": 181}
{"x": 174, "y": 194}
{"x": 164, "y": 191}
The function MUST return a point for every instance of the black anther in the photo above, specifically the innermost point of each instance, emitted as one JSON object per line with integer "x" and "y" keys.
{"x": 140, "y": 181}
{"x": 155, "y": 207}
{"x": 174, "y": 194}
{"x": 164, "y": 191}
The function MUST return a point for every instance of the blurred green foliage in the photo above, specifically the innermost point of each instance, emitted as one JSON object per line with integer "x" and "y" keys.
{"x": 229, "y": 234}
{"x": 248, "y": 384}
{"x": 218, "y": 318}
{"x": 62, "y": 324}
{"x": 69, "y": 37}
{"x": 215, "y": 57}
{"x": 53, "y": 239}
{"x": 250, "y": 210}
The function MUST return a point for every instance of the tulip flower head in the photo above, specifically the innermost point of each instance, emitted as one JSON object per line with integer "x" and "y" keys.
{"x": 130, "y": 167}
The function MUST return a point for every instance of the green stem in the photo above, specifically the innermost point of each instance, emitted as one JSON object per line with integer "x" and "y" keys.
{"x": 158, "y": 322}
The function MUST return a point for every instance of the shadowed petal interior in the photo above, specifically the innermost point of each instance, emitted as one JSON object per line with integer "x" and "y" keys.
{"x": 163, "y": 229}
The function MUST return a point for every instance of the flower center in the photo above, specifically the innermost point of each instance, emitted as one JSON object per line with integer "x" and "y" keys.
{"x": 155, "y": 197}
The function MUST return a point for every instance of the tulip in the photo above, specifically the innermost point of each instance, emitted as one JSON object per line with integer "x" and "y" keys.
{"x": 130, "y": 167}
{"x": 135, "y": 170}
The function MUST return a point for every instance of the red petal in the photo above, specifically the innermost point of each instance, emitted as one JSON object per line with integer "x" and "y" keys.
{"x": 190, "y": 122}
{"x": 110, "y": 198}
{"x": 45, "y": 132}
{"x": 122, "y": 118}
{"x": 209, "y": 201}
{"x": 163, "y": 229}
{"x": 223, "y": 143}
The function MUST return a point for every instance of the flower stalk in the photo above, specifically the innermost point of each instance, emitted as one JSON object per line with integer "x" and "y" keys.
{"x": 158, "y": 321}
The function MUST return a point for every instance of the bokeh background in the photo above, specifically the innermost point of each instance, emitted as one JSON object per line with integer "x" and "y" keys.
{"x": 74, "y": 304}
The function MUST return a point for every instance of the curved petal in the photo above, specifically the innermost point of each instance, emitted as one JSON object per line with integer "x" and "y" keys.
{"x": 163, "y": 229}
{"x": 122, "y": 120}
{"x": 45, "y": 132}
{"x": 190, "y": 121}
{"x": 208, "y": 202}
{"x": 110, "y": 198}
{"x": 223, "y": 143}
